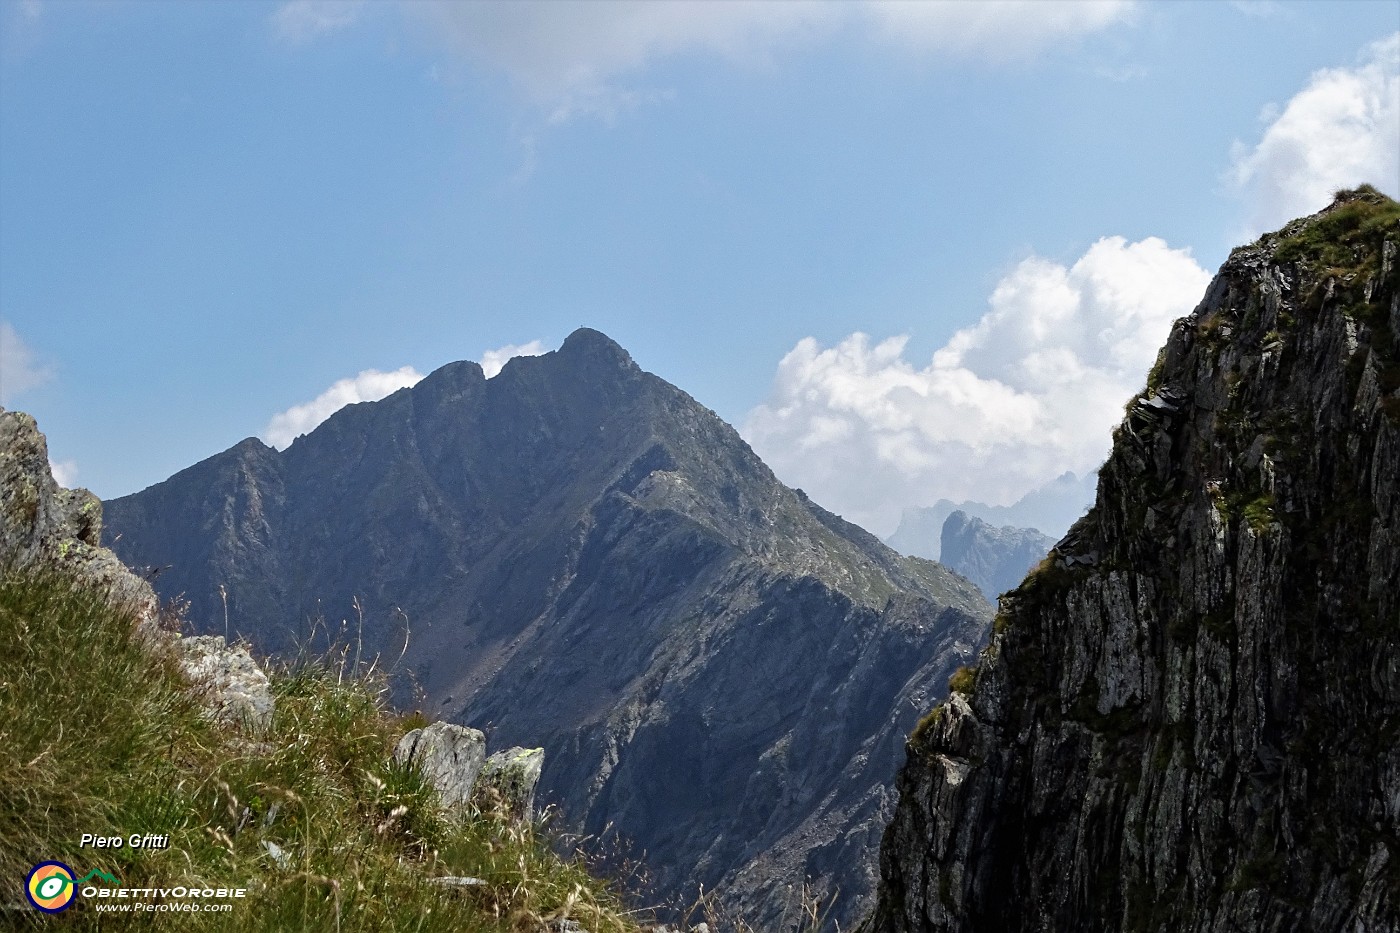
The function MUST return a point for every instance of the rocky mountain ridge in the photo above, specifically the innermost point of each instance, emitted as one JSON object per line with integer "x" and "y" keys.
{"x": 1188, "y": 718}
{"x": 581, "y": 557}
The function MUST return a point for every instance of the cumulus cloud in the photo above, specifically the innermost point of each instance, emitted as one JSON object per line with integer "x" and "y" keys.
{"x": 65, "y": 472}
{"x": 369, "y": 386}
{"x": 302, "y": 20}
{"x": 19, "y": 370}
{"x": 570, "y": 56}
{"x": 492, "y": 361}
{"x": 1031, "y": 390}
{"x": 1342, "y": 129}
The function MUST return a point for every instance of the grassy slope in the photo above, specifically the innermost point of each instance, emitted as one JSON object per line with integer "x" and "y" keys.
{"x": 99, "y": 734}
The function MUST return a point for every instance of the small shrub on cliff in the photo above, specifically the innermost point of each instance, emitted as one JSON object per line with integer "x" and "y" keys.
{"x": 963, "y": 680}
{"x": 929, "y": 721}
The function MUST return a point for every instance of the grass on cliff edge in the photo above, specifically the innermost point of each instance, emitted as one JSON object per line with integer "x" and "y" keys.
{"x": 1346, "y": 239}
{"x": 99, "y": 735}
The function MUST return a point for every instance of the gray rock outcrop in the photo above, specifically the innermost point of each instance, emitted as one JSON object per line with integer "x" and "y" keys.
{"x": 43, "y": 524}
{"x": 451, "y": 758}
{"x": 508, "y": 780}
{"x": 231, "y": 683}
{"x": 1189, "y": 722}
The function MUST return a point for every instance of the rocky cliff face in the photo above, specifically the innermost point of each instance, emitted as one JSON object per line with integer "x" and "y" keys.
{"x": 1189, "y": 718}
{"x": 996, "y": 559}
{"x": 44, "y": 526}
{"x": 590, "y": 561}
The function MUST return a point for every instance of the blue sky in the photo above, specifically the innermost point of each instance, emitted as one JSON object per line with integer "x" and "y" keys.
{"x": 212, "y": 213}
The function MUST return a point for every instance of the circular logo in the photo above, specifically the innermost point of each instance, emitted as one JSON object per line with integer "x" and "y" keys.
{"x": 50, "y": 887}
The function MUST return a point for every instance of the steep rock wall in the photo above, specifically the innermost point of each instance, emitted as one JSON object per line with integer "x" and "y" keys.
{"x": 1188, "y": 718}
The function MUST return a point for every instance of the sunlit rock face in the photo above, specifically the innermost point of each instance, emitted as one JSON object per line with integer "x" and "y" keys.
{"x": 1190, "y": 719}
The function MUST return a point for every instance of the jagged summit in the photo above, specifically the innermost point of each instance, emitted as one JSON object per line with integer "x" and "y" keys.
{"x": 589, "y": 560}
{"x": 1188, "y": 718}
{"x": 590, "y": 344}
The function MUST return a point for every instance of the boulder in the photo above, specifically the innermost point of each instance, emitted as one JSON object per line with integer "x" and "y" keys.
{"x": 450, "y": 757}
{"x": 234, "y": 688}
{"x": 508, "y": 781}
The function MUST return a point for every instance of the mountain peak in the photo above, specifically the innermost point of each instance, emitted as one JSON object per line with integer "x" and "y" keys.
{"x": 594, "y": 563}
{"x": 589, "y": 345}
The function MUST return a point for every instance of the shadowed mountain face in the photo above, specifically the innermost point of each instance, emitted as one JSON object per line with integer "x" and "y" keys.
{"x": 1189, "y": 719}
{"x": 589, "y": 561}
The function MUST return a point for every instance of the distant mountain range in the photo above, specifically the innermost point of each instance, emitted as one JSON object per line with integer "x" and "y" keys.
{"x": 581, "y": 556}
{"x": 1050, "y": 509}
{"x": 996, "y": 559}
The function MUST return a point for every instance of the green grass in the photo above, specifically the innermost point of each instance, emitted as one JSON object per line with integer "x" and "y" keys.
{"x": 1345, "y": 240}
{"x": 928, "y": 722}
{"x": 98, "y": 734}
{"x": 1255, "y": 508}
{"x": 963, "y": 680}
{"x": 1259, "y": 512}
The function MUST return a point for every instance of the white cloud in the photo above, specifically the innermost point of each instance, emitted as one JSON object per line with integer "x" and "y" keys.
{"x": 302, "y": 20}
{"x": 569, "y": 56}
{"x": 556, "y": 50}
{"x": 492, "y": 361}
{"x": 1339, "y": 131}
{"x": 65, "y": 472}
{"x": 19, "y": 371}
{"x": 1030, "y": 391}
{"x": 369, "y": 386}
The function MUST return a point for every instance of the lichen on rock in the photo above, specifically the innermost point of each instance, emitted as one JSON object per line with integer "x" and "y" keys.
{"x": 508, "y": 780}
{"x": 230, "y": 682}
